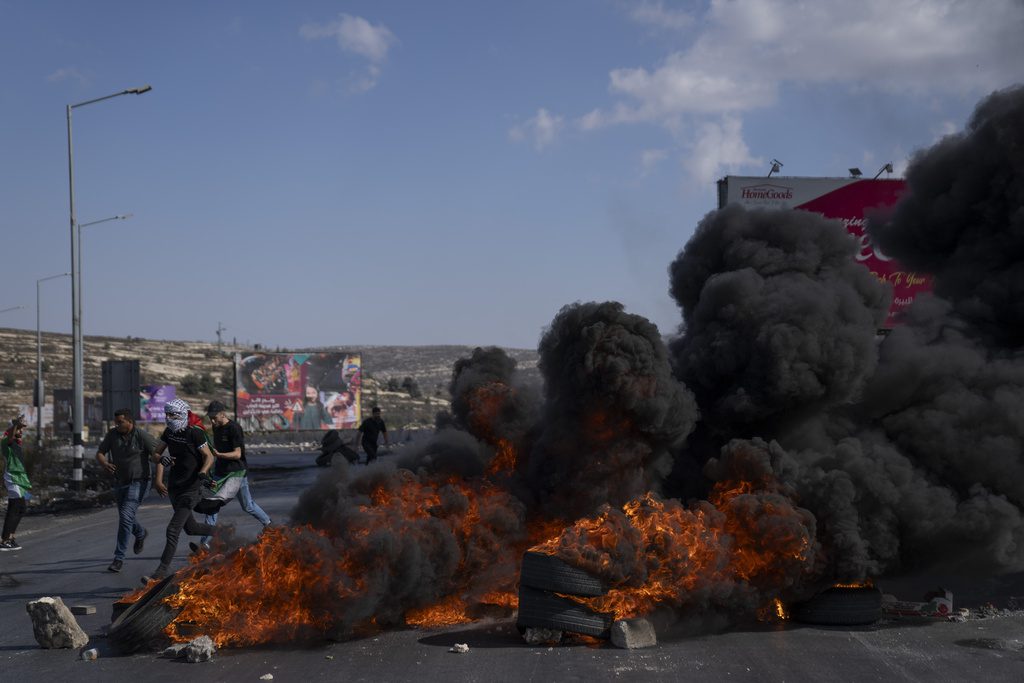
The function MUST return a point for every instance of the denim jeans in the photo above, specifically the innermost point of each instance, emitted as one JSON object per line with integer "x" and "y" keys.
{"x": 129, "y": 497}
{"x": 247, "y": 503}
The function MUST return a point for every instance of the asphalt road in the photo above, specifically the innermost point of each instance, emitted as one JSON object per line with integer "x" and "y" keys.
{"x": 67, "y": 556}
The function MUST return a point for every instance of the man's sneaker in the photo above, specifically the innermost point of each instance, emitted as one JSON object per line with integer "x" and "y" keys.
{"x": 4, "y": 547}
{"x": 115, "y": 566}
{"x": 159, "y": 574}
{"x": 10, "y": 545}
{"x": 197, "y": 548}
{"x": 140, "y": 543}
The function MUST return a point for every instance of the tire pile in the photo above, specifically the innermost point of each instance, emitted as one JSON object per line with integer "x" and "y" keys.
{"x": 543, "y": 579}
{"x": 144, "y": 621}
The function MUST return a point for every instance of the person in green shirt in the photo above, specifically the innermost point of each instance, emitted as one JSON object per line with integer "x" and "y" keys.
{"x": 15, "y": 480}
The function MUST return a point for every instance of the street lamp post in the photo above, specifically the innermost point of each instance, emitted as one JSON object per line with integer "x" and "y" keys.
{"x": 78, "y": 389}
{"x": 40, "y": 399}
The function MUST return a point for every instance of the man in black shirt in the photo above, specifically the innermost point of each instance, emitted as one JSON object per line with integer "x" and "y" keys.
{"x": 229, "y": 449}
{"x": 370, "y": 431}
{"x": 189, "y": 458}
{"x": 129, "y": 449}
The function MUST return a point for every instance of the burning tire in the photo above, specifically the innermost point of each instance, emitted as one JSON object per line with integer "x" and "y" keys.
{"x": 540, "y": 609}
{"x": 142, "y": 622}
{"x": 549, "y": 573}
{"x": 840, "y": 606}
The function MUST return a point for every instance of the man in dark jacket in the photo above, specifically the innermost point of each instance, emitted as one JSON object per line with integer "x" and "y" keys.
{"x": 370, "y": 432}
{"x": 125, "y": 452}
{"x": 189, "y": 459}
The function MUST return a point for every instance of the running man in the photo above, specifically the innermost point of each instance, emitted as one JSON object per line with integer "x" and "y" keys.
{"x": 15, "y": 480}
{"x": 229, "y": 449}
{"x": 130, "y": 449}
{"x": 189, "y": 458}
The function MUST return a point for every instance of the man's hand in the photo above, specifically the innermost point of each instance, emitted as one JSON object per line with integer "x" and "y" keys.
{"x": 110, "y": 467}
{"x": 166, "y": 460}
{"x": 161, "y": 489}
{"x": 207, "y": 481}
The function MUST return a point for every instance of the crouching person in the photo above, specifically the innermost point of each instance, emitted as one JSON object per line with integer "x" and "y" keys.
{"x": 185, "y": 452}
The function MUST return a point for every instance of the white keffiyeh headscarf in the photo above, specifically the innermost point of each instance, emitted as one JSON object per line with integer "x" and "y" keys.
{"x": 179, "y": 409}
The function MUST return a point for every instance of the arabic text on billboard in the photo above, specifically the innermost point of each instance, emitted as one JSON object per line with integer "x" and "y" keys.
{"x": 847, "y": 200}
{"x": 292, "y": 391}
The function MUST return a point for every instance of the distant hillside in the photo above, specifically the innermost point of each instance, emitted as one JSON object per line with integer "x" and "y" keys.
{"x": 169, "y": 362}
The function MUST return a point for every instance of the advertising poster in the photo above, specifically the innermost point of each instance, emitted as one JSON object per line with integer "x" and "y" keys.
{"x": 298, "y": 391}
{"x": 846, "y": 199}
{"x": 152, "y": 399}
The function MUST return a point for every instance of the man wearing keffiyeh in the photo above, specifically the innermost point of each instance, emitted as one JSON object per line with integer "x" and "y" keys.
{"x": 185, "y": 452}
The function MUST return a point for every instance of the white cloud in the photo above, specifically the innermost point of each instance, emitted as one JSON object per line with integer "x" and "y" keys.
{"x": 655, "y": 14}
{"x": 357, "y": 36}
{"x": 68, "y": 73}
{"x": 745, "y": 50}
{"x": 540, "y": 129}
{"x": 719, "y": 148}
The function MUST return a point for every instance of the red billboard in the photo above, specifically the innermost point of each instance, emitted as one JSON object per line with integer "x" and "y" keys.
{"x": 844, "y": 199}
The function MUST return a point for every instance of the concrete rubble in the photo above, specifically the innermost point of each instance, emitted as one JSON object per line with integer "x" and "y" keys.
{"x": 200, "y": 649}
{"x": 90, "y": 655}
{"x": 53, "y": 624}
{"x": 633, "y": 634}
{"x": 541, "y": 636}
{"x": 460, "y": 648}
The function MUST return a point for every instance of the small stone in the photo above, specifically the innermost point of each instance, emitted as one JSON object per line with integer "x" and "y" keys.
{"x": 174, "y": 651}
{"x": 328, "y": 656}
{"x": 83, "y": 609}
{"x": 90, "y": 655}
{"x": 53, "y": 625}
{"x": 460, "y": 648}
{"x": 540, "y": 636}
{"x": 200, "y": 649}
{"x": 267, "y": 677}
{"x": 631, "y": 634}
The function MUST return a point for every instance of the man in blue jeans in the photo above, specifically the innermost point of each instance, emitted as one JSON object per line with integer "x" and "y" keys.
{"x": 229, "y": 449}
{"x": 124, "y": 453}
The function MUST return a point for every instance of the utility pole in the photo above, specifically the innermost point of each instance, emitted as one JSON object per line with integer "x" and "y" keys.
{"x": 220, "y": 328}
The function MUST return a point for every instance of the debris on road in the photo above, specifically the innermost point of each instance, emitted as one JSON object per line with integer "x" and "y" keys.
{"x": 460, "y": 648}
{"x": 53, "y": 624}
{"x": 200, "y": 649}
{"x": 633, "y": 634}
{"x": 90, "y": 655}
{"x": 174, "y": 651}
{"x": 937, "y": 604}
{"x": 83, "y": 609}
{"x": 267, "y": 677}
{"x": 535, "y": 635}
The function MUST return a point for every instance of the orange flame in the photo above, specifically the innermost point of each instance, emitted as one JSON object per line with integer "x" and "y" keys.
{"x": 451, "y": 610}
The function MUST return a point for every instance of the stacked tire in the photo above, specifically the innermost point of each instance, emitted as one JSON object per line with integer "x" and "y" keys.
{"x": 144, "y": 621}
{"x": 543, "y": 580}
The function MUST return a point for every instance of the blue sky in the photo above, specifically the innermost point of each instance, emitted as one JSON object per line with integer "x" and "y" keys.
{"x": 346, "y": 173}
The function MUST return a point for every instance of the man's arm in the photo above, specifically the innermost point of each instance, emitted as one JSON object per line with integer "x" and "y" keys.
{"x": 158, "y": 483}
{"x": 208, "y": 458}
{"x": 157, "y": 452}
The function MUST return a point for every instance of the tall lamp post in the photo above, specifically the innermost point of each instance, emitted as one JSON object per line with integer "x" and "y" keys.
{"x": 40, "y": 399}
{"x": 78, "y": 399}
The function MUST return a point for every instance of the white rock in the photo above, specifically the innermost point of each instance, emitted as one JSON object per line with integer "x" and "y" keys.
{"x": 90, "y": 655}
{"x": 267, "y": 677}
{"x": 53, "y": 624}
{"x": 460, "y": 648}
{"x": 631, "y": 634}
{"x": 174, "y": 651}
{"x": 200, "y": 649}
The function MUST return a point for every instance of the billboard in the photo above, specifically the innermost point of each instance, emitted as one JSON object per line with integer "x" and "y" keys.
{"x": 293, "y": 391}
{"x": 844, "y": 199}
{"x": 152, "y": 399}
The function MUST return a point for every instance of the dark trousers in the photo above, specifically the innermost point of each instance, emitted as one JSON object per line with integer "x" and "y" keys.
{"x": 15, "y": 509}
{"x": 371, "y": 450}
{"x": 182, "y": 503}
